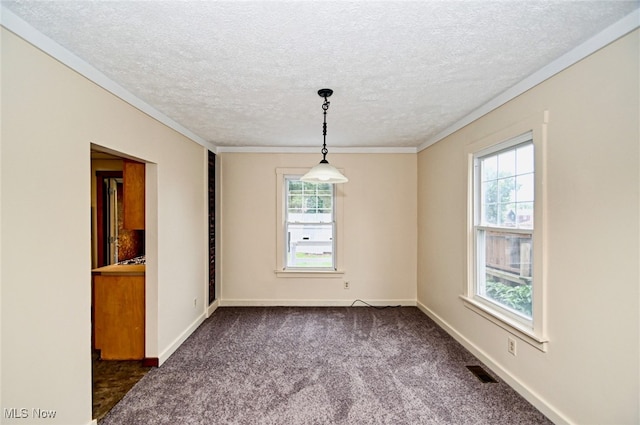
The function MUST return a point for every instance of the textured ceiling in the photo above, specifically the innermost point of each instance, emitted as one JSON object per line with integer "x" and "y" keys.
{"x": 246, "y": 73}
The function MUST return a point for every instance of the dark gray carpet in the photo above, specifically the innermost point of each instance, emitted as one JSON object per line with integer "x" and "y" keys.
{"x": 289, "y": 365}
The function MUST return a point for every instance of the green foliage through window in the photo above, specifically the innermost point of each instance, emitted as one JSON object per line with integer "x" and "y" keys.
{"x": 516, "y": 297}
{"x": 309, "y": 198}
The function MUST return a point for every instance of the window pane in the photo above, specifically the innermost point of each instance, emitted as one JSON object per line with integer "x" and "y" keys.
{"x": 295, "y": 186}
{"x": 323, "y": 187}
{"x": 489, "y": 214}
{"x": 507, "y": 164}
{"x": 310, "y": 245}
{"x": 294, "y": 203}
{"x": 324, "y": 202}
{"x": 506, "y": 188}
{"x": 508, "y": 215}
{"x": 489, "y": 192}
{"x": 525, "y": 215}
{"x": 505, "y": 274}
{"x": 489, "y": 168}
{"x": 524, "y": 158}
{"x": 524, "y": 187}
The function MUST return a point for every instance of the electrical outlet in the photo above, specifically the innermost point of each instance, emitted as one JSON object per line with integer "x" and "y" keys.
{"x": 511, "y": 346}
{"x": 346, "y": 285}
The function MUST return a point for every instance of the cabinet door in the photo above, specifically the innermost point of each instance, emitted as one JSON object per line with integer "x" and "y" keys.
{"x": 133, "y": 195}
{"x": 119, "y": 316}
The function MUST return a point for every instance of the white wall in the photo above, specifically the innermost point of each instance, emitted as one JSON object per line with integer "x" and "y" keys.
{"x": 50, "y": 116}
{"x": 590, "y": 374}
{"x": 379, "y": 237}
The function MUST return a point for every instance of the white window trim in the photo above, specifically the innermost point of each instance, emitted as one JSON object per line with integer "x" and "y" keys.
{"x": 281, "y": 270}
{"x": 534, "y": 128}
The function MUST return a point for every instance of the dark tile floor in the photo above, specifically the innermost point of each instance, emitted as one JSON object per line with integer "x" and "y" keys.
{"x": 112, "y": 380}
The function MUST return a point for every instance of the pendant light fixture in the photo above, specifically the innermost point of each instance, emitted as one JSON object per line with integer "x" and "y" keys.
{"x": 324, "y": 172}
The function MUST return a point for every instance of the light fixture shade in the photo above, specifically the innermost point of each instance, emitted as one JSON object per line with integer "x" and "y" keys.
{"x": 324, "y": 173}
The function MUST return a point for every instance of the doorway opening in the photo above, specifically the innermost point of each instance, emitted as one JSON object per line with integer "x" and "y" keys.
{"x": 118, "y": 278}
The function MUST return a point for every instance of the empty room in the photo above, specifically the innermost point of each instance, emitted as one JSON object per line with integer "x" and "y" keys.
{"x": 331, "y": 212}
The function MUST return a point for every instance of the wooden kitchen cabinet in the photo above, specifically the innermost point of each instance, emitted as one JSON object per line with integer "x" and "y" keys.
{"x": 133, "y": 195}
{"x": 119, "y": 314}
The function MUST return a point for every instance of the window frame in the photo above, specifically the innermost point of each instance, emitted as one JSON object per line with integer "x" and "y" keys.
{"x": 480, "y": 229}
{"x": 281, "y": 270}
{"x": 533, "y": 331}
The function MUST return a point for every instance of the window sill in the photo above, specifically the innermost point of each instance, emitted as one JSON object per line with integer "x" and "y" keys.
{"x": 517, "y": 329}
{"x": 310, "y": 273}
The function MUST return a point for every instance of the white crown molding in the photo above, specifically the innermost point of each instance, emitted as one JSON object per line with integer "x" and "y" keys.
{"x": 25, "y": 31}
{"x": 298, "y": 149}
{"x": 22, "y": 29}
{"x": 624, "y": 26}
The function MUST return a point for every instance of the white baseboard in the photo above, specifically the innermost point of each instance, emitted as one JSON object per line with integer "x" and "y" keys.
{"x": 532, "y": 397}
{"x": 312, "y": 303}
{"x": 180, "y": 339}
{"x": 214, "y": 305}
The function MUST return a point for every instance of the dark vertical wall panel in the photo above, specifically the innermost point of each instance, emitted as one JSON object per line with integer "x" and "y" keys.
{"x": 212, "y": 227}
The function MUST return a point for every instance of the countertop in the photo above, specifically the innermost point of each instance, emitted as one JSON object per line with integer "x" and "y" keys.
{"x": 121, "y": 269}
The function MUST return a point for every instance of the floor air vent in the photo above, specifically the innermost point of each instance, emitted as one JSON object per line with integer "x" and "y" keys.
{"x": 481, "y": 374}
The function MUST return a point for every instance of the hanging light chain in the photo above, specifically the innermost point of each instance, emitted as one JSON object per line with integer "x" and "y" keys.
{"x": 324, "y": 172}
{"x": 324, "y": 150}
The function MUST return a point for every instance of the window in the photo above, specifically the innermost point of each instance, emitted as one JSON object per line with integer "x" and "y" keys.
{"x": 505, "y": 252}
{"x": 309, "y": 225}
{"x": 504, "y": 224}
